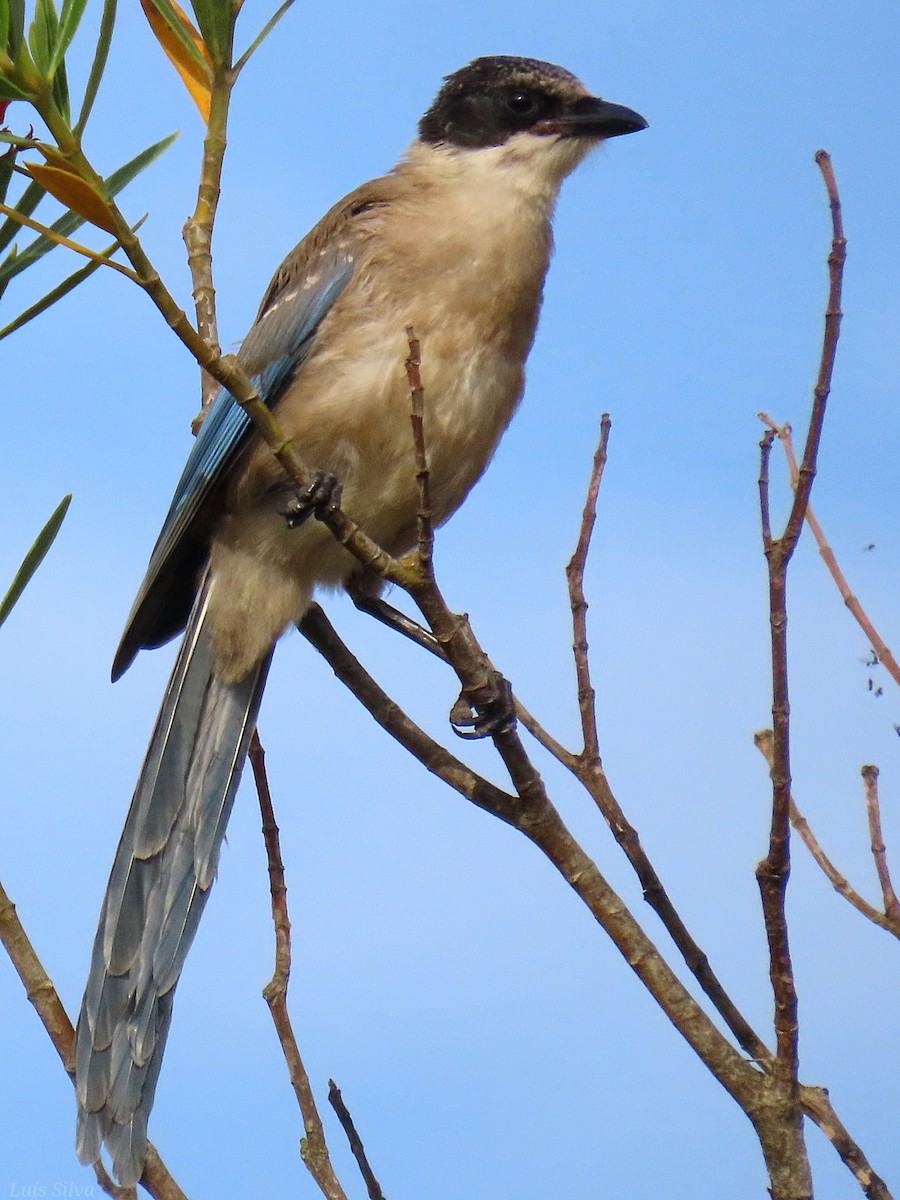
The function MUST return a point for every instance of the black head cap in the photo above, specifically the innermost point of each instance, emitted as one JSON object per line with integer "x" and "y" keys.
{"x": 493, "y": 98}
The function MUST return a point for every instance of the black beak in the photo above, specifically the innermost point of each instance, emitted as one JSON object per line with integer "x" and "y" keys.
{"x": 593, "y": 117}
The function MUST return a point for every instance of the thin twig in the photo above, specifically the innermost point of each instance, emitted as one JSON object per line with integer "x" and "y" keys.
{"x": 873, "y": 812}
{"x": 53, "y": 1016}
{"x": 424, "y": 516}
{"x": 321, "y": 634}
{"x": 85, "y": 251}
{"x": 532, "y": 814}
{"x": 262, "y": 35}
{"x": 773, "y": 872}
{"x": 313, "y": 1148}
{"x": 836, "y": 258}
{"x": 588, "y": 768}
{"x": 879, "y": 646}
{"x": 764, "y": 743}
{"x": 817, "y": 1106}
{"x": 373, "y": 1187}
{"x": 578, "y": 601}
{"x": 765, "y": 454}
{"x": 198, "y": 228}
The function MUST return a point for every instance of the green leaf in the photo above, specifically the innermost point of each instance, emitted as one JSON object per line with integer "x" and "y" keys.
{"x": 42, "y": 35}
{"x": 4, "y": 24}
{"x": 69, "y": 20}
{"x": 215, "y": 19}
{"x": 9, "y": 91}
{"x": 57, "y": 293}
{"x": 61, "y": 289}
{"x": 70, "y": 221}
{"x": 263, "y": 34}
{"x": 16, "y": 34}
{"x": 28, "y": 202}
{"x": 61, "y": 91}
{"x": 7, "y": 161}
{"x": 104, "y": 38}
{"x": 34, "y": 558}
{"x": 119, "y": 178}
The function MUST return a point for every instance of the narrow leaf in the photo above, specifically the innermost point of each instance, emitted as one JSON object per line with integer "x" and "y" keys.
{"x": 183, "y": 47}
{"x": 86, "y": 251}
{"x": 4, "y": 24}
{"x": 16, "y": 25}
{"x": 42, "y": 35}
{"x": 104, "y": 39}
{"x": 9, "y": 91}
{"x": 26, "y": 205}
{"x": 61, "y": 289}
{"x": 124, "y": 174}
{"x": 69, "y": 20}
{"x": 70, "y": 221}
{"x": 7, "y": 162}
{"x": 263, "y": 34}
{"x": 215, "y": 18}
{"x": 61, "y": 91}
{"x": 74, "y": 192}
{"x": 34, "y": 558}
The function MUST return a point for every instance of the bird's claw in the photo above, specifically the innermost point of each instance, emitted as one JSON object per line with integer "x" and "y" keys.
{"x": 320, "y": 499}
{"x": 492, "y": 712}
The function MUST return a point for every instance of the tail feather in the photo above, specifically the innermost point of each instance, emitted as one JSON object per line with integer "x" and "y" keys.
{"x": 161, "y": 877}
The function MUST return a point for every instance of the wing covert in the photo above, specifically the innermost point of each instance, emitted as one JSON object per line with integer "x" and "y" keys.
{"x": 299, "y": 297}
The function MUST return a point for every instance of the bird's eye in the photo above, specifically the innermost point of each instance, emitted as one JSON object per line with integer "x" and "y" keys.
{"x": 521, "y": 103}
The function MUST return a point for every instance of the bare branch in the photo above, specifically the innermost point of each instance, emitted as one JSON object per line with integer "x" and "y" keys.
{"x": 765, "y": 454}
{"x": 764, "y": 743}
{"x": 833, "y": 314}
{"x": 578, "y": 600}
{"x": 773, "y": 872}
{"x": 873, "y": 812}
{"x": 817, "y": 1106}
{"x": 879, "y": 646}
{"x": 533, "y": 814}
{"x": 319, "y": 631}
{"x": 424, "y": 518}
{"x": 313, "y": 1148}
{"x": 373, "y": 1187}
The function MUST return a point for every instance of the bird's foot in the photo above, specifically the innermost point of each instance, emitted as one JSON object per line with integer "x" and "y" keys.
{"x": 320, "y": 500}
{"x": 489, "y": 711}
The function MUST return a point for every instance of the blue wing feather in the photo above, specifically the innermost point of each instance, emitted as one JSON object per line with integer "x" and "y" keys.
{"x": 276, "y": 345}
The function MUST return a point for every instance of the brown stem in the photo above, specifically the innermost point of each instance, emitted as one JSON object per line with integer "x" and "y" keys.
{"x": 373, "y": 1187}
{"x": 532, "y": 814}
{"x": 836, "y": 258}
{"x": 424, "y": 516}
{"x": 313, "y": 1148}
{"x": 578, "y": 602}
{"x": 198, "y": 228}
{"x": 587, "y": 767}
{"x": 817, "y": 1106}
{"x": 320, "y": 633}
{"x": 764, "y": 742}
{"x": 873, "y": 812}
{"x": 879, "y": 646}
{"x": 774, "y": 871}
{"x": 53, "y": 1016}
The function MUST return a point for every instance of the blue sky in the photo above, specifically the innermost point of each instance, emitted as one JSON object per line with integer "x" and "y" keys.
{"x": 488, "y": 1039}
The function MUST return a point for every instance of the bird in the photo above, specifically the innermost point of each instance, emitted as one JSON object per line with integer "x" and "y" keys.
{"x": 455, "y": 242}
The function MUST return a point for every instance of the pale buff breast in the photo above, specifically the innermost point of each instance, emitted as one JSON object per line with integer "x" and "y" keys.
{"x": 463, "y": 264}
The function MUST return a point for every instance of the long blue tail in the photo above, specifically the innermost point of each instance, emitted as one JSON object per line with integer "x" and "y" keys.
{"x": 160, "y": 880}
